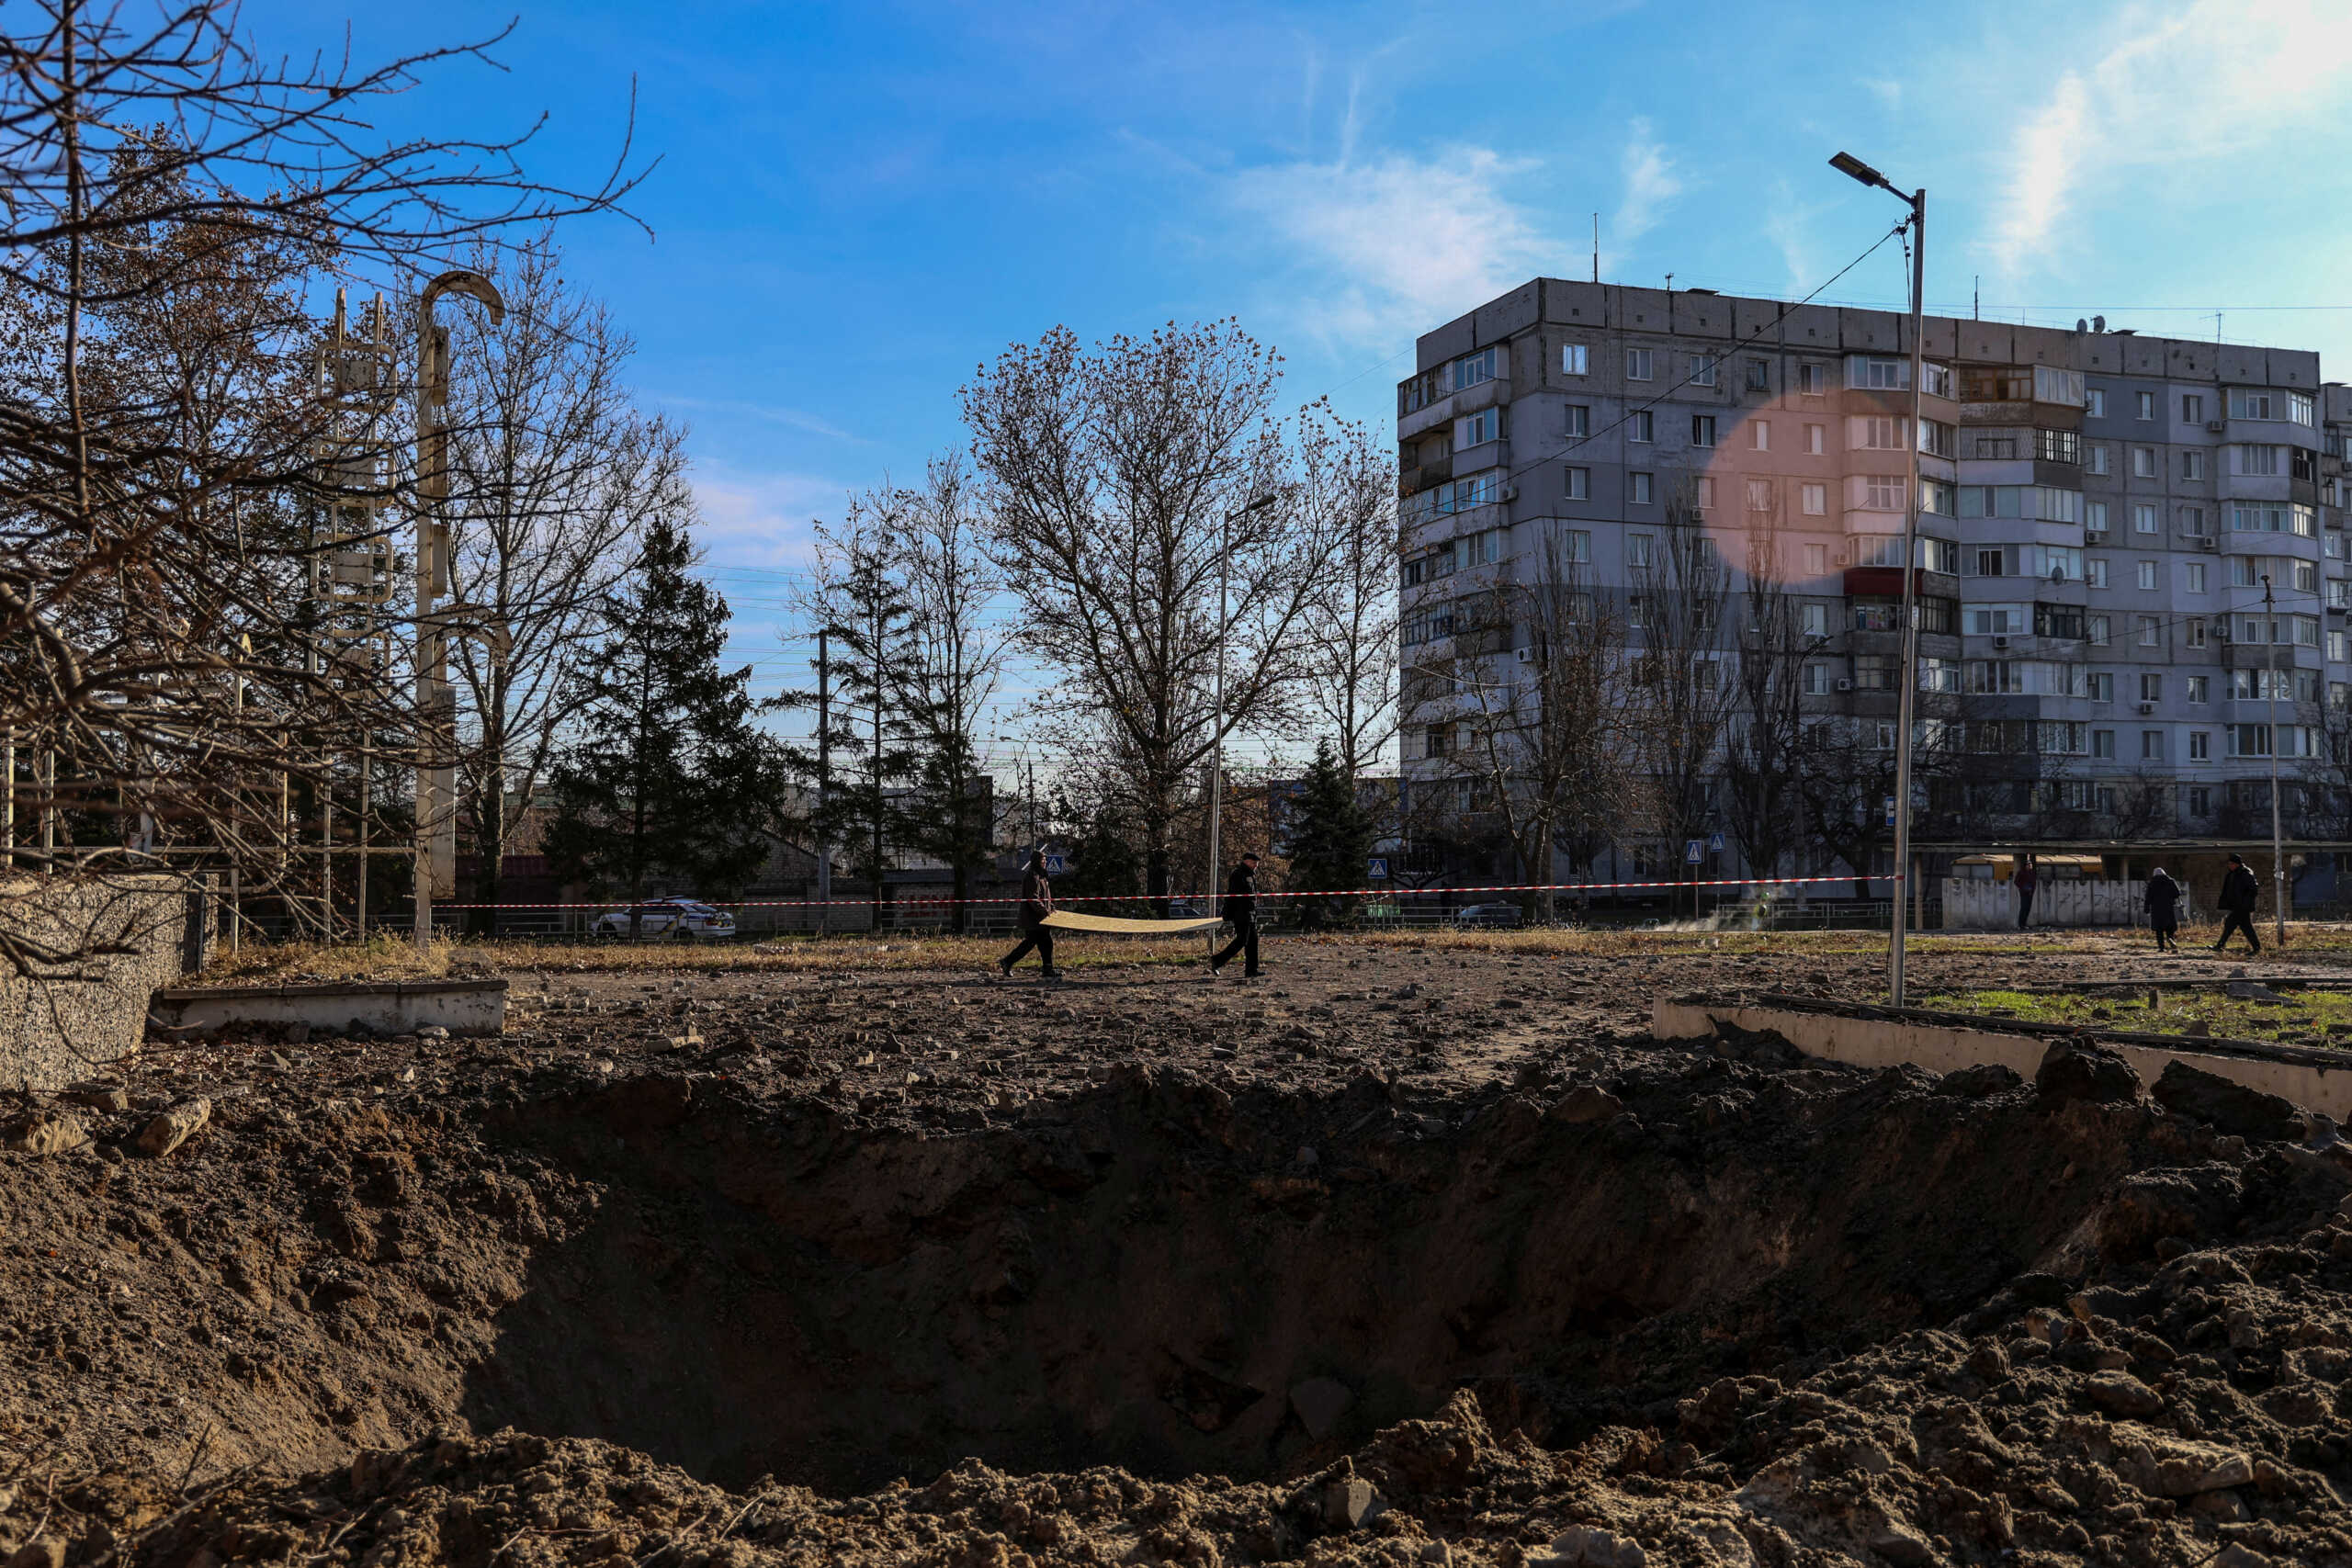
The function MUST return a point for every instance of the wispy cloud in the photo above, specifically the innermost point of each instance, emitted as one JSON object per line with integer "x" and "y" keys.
{"x": 773, "y": 413}
{"x": 1652, "y": 184}
{"x": 1403, "y": 239}
{"x": 1887, "y": 90}
{"x": 762, "y": 519}
{"x": 2175, "y": 91}
{"x": 1789, "y": 226}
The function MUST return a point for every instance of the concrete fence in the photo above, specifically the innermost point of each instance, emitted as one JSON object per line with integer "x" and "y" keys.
{"x": 71, "y": 1016}
{"x": 1977, "y": 904}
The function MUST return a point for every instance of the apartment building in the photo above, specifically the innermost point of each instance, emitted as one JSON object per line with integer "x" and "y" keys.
{"x": 2100, "y": 510}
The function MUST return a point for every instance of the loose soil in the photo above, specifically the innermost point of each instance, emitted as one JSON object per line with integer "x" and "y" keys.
{"x": 1411, "y": 1252}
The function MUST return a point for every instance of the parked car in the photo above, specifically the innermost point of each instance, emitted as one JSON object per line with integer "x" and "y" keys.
{"x": 1487, "y": 915}
{"x": 681, "y": 919}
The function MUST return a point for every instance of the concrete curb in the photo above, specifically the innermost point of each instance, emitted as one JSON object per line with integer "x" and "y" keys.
{"x": 461, "y": 1007}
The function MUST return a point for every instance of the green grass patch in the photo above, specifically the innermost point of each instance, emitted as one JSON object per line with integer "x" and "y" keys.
{"x": 2305, "y": 1017}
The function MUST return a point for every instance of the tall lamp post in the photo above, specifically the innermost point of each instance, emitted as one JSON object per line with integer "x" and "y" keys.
{"x": 1854, "y": 168}
{"x": 1216, "y": 753}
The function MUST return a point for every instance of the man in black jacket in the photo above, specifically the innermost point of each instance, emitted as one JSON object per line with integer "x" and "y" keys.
{"x": 2240, "y": 893}
{"x": 1037, "y": 903}
{"x": 1241, "y": 909}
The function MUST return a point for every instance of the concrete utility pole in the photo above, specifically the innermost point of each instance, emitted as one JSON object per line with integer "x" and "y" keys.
{"x": 824, "y": 783}
{"x": 1907, "y": 700}
{"x": 2270, "y": 686}
{"x": 1217, "y": 752}
{"x": 437, "y": 820}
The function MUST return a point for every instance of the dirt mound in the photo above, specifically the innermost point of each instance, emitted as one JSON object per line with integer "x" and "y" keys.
{"x": 1607, "y": 1303}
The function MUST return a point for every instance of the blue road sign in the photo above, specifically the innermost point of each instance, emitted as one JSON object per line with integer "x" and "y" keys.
{"x": 1715, "y": 843}
{"x": 1694, "y": 851}
{"x": 1054, "y": 865}
{"x": 1379, "y": 868}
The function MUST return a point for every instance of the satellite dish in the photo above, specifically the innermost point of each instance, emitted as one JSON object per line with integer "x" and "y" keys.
{"x": 2058, "y": 572}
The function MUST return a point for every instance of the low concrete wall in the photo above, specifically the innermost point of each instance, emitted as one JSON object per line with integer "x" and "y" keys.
{"x": 2309, "y": 1078}
{"x": 1976, "y": 904}
{"x": 72, "y": 1018}
{"x": 461, "y": 1007}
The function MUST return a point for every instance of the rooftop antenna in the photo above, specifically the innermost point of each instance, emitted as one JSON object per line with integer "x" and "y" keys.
{"x": 2217, "y": 329}
{"x": 1976, "y": 297}
{"x": 1669, "y": 282}
{"x": 1596, "y": 247}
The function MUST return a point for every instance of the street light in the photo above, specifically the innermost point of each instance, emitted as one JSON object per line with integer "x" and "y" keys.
{"x": 1854, "y": 168}
{"x": 1217, "y": 762}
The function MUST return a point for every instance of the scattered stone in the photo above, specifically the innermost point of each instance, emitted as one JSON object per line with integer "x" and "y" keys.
{"x": 1981, "y": 1081}
{"x": 433, "y": 1032}
{"x": 1348, "y": 1502}
{"x": 1595, "y": 1548}
{"x": 2076, "y": 1070}
{"x": 1320, "y": 1402}
{"x": 2230, "y": 1106}
{"x": 173, "y": 1127}
{"x": 46, "y": 1552}
{"x": 49, "y": 1132}
{"x": 1587, "y": 1104}
{"x": 2120, "y": 1393}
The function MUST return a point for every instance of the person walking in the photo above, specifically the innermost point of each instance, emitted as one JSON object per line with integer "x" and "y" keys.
{"x": 2240, "y": 893}
{"x": 1037, "y": 903}
{"x": 2164, "y": 902}
{"x": 1241, "y": 909}
{"x": 2026, "y": 882}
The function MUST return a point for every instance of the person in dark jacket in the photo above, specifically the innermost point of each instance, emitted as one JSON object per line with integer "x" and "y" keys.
{"x": 1241, "y": 909}
{"x": 1037, "y": 903}
{"x": 2163, "y": 905}
{"x": 2026, "y": 882}
{"x": 2240, "y": 893}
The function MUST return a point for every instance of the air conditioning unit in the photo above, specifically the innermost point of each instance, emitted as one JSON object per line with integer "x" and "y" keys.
{"x": 1526, "y": 655}
{"x": 2220, "y": 628}
{"x": 1845, "y": 684}
{"x": 2214, "y": 427}
{"x": 2147, "y": 708}
{"x": 2000, "y": 642}
{"x": 1510, "y": 492}
{"x": 2206, "y": 542}
{"x": 1845, "y": 557}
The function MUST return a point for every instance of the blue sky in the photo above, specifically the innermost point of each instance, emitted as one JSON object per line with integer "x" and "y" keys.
{"x": 857, "y": 204}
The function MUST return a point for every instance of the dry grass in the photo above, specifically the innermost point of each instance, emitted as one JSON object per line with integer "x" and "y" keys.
{"x": 2314, "y": 1018}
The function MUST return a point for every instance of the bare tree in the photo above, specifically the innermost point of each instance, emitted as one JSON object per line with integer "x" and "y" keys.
{"x": 170, "y": 436}
{"x": 554, "y": 469}
{"x": 1351, "y": 630}
{"x": 1684, "y": 689}
{"x": 1121, "y": 484}
{"x": 1763, "y": 787}
{"x": 1543, "y": 737}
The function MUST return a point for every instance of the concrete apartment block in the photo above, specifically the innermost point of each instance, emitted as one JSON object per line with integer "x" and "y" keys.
{"x": 2101, "y": 508}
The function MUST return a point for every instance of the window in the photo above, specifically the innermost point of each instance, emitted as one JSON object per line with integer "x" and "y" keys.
{"x": 1816, "y": 680}
{"x": 2152, "y": 687}
{"x": 2102, "y": 743}
{"x": 1477, "y": 429}
{"x": 1579, "y": 545}
{"x": 2095, "y": 458}
{"x": 2152, "y": 745}
{"x": 1637, "y": 612}
{"x": 1881, "y": 433}
{"x": 2150, "y": 629}
{"x": 1637, "y": 549}
{"x": 2147, "y": 576}
{"x": 1637, "y": 364}
{"x": 2337, "y": 646}
{"x": 1816, "y": 620}
{"x": 1873, "y": 672}
{"x": 2194, "y": 577}
{"x": 1759, "y": 495}
{"x": 2059, "y": 621}
{"x": 2192, "y": 521}
{"x": 2192, "y": 465}
{"x": 1759, "y": 434}
{"x": 2053, "y": 447}
{"x": 1992, "y": 620}
{"x": 2200, "y": 750}
{"x": 2192, "y": 408}
{"x": 1434, "y": 738}
{"x": 1641, "y": 489}
{"x": 2099, "y": 686}
{"x": 2300, "y": 409}
{"x": 1579, "y": 420}
{"x": 1816, "y": 439}
{"x": 1579, "y": 484}
{"x": 2145, "y": 518}
{"x": 1890, "y": 375}
{"x": 1703, "y": 369}
{"x": 1702, "y": 430}
{"x": 1991, "y": 560}
{"x": 2250, "y": 405}
{"x": 2199, "y": 686}
{"x": 1991, "y": 448}
{"x": 1811, "y": 380}
{"x": 2094, "y": 517}
{"x": 2146, "y": 403}
{"x": 1759, "y": 376}
{"x": 2193, "y": 633}
{"x": 2095, "y": 630}
{"x": 1882, "y": 493}
{"x": 1816, "y": 558}
{"x": 2095, "y": 402}
{"x": 2043, "y": 503}
{"x": 1939, "y": 674}
{"x": 1703, "y": 493}
{"x": 1641, "y": 425}
{"x": 1576, "y": 359}
{"x": 2144, "y": 462}
{"x": 1472, "y": 369}
{"x": 2305, "y": 519}
{"x": 2252, "y": 517}
{"x": 2095, "y": 571}
{"x": 2259, "y": 460}
{"x": 2306, "y": 576}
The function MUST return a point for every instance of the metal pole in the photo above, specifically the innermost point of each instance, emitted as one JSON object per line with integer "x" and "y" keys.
{"x": 1908, "y": 702}
{"x": 360, "y": 899}
{"x": 1217, "y": 747}
{"x": 2271, "y": 682}
{"x": 326, "y": 846}
{"x": 824, "y": 783}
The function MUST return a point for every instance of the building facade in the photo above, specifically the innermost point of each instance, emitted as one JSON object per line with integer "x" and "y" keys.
{"x": 2100, "y": 512}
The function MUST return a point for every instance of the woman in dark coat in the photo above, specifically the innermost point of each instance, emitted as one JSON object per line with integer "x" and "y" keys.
{"x": 2163, "y": 905}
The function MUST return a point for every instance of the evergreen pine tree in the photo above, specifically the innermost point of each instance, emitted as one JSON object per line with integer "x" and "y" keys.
{"x": 667, "y": 774}
{"x": 1332, "y": 839}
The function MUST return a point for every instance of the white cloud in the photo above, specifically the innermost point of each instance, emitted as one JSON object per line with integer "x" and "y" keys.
{"x": 761, "y": 520}
{"x": 1887, "y": 90}
{"x": 1787, "y": 225}
{"x": 1651, "y": 187}
{"x": 1408, "y": 241}
{"x": 774, "y": 414}
{"x": 2217, "y": 79}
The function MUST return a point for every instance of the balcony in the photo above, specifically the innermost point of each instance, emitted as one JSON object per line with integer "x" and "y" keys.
{"x": 1886, "y": 582}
